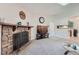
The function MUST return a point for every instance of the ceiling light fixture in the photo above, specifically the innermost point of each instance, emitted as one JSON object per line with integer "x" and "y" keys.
{"x": 63, "y": 4}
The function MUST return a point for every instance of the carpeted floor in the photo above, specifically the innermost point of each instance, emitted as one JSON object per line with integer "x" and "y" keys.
{"x": 51, "y": 46}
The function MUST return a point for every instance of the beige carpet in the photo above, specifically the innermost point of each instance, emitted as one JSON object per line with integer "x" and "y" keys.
{"x": 48, "y": 46}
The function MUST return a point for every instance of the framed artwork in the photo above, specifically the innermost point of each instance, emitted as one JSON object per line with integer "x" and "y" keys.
{"x": 62, "y": 26}
{"x": 22, "y": 15}
{"x": 70, "y": 24}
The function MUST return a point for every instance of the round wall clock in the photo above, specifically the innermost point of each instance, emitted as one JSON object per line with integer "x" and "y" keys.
{"x": 22, "y": 15}
{"x": 41, "y": 19}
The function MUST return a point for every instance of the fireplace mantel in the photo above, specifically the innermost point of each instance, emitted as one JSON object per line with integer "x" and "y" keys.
{"x": 8, "y": 24}
{"x": 7, "y": 30}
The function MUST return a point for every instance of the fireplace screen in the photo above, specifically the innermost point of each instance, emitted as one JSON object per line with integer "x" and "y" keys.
{"x": 19, "y": 39}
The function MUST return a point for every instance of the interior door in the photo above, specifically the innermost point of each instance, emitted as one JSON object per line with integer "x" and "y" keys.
{"x": 51, "y": 29}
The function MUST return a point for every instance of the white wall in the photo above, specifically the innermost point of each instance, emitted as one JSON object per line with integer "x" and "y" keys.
{"x": 10, "y": 12}
{"x": 69, "y": 11}
{"x": 63, "y": 18}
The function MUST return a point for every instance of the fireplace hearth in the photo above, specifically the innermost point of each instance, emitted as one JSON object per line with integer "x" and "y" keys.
{"x": 19, "y": 39}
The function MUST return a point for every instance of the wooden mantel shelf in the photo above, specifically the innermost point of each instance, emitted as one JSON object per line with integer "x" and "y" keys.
{"x": 7, "y": 24}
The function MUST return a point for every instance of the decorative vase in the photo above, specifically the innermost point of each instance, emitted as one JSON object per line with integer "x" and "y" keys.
{"x": 19, "y": 23}
{"x": 27, "y": 23}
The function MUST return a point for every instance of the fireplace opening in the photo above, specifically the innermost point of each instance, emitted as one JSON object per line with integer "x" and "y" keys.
{"x": 20, "y": 39}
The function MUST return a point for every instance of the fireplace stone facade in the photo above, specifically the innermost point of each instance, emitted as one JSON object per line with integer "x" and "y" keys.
{"x": 7, "y": 37}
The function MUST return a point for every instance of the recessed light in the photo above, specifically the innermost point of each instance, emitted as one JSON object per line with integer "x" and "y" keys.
{"x": 63, "y": 4}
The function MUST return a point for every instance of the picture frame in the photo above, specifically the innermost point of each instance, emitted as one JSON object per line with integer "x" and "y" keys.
{"x": 62, "y": 26}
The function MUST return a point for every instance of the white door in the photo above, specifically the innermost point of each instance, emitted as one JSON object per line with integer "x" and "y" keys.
{"x": 51, "y": 29}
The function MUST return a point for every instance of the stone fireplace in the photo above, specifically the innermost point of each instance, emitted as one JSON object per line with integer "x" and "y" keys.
{"x": 7, "y": 33}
